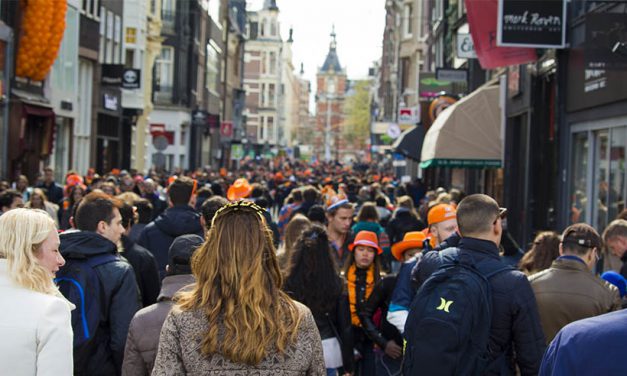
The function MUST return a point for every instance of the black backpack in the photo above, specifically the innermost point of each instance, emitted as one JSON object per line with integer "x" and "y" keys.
{"x": 79, "y": 283}
{"x": 448, "y": 326}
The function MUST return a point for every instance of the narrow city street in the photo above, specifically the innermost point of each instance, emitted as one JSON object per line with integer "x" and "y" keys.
{"x": 273, "y": 187}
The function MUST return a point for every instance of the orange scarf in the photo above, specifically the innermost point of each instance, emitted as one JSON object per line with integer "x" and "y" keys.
{"x": 351, "y": 279}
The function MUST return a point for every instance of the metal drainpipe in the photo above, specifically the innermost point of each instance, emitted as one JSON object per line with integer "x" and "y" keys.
{"x": 4, "y": 172}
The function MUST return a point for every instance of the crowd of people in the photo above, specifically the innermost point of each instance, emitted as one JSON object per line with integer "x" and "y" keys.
{"x": 295, "y": 269}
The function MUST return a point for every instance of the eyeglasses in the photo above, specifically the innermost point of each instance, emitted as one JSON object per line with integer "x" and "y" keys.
{"x": 242, "y": 206}
{"x": 502, "y": 214}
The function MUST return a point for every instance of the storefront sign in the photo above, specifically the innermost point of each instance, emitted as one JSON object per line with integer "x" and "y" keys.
{"x": 465, "y": 47}
{"x": 409, "y": 115}
{"x": 199, "y": 118}
{"x": 226, "y": 129}
{"x": 110, "y": 102}
{"x": 118, "y": 75}
{"x": 606, "y": 41}
{"x": 429, "y": 86}
{"x": 453, "y": 75}
{"x": 532, "y": 23}
{"x": 482, "y": 20}
{"x": 589, "y": 88}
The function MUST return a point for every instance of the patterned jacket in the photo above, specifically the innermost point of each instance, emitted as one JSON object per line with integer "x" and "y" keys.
{"x": 180, "y": 354}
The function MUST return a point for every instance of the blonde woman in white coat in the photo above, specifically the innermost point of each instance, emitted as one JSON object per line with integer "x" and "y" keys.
{"x": 35, "y": 327}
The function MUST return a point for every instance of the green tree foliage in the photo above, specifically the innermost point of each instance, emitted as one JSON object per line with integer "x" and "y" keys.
{"x": 356, "y": 127}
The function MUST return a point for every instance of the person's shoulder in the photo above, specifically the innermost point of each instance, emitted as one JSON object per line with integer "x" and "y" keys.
{"x": 540, "y": 276}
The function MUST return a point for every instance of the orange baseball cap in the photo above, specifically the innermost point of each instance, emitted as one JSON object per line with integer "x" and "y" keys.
{"x": 441, "y": 213}
{"x": 367, "y": 238}
{"x": 413, "y": 239}
{"x": 239, "y": 190}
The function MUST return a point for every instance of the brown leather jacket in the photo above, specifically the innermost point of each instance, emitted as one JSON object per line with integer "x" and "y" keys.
{"x": 568, "y": 292}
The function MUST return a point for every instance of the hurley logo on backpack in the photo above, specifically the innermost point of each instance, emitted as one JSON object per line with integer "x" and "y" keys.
{"x": 448, "y": 326}
{"x": 79, "y": 283}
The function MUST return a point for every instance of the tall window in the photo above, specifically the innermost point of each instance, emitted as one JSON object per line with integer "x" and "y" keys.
{"x": 264, "y": 63}
{"x": 408, "y": 20}
{"x": 262, "y": 32}
{"x": 272, "y": 63}
{"x": 273, "y": 28}
{"x": 90, "y": 8}
{"x": 66, "y": 64}
{"x": 270, "y": 126}
{"x": 214, "y": 12}
{"x": 271, "y": 95}
{"x": 262, "y": 96}
{"x": 165, "y": 68}
{"x": 213, "y": 67}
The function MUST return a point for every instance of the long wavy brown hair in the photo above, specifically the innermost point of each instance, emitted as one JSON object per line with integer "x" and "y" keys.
{"x": 544, "y": 250}
{"x": 238, "y": 287}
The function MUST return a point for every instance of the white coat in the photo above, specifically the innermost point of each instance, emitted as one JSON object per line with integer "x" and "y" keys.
{"x": 35, "y": 331}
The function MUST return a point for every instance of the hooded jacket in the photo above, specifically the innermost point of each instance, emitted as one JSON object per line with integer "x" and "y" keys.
{"x": 402, "y": 221}
{"x": 160, "y": 233}
{"x": 120, "y": 300}
{"x": 143, "y": 335}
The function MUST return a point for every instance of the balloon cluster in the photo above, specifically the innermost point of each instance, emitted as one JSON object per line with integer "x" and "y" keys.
{"x": 43, "y": 25}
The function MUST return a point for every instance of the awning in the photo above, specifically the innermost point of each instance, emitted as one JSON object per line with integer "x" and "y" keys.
{"x": 466, "y": 134}
{"x": 409, "y": 143}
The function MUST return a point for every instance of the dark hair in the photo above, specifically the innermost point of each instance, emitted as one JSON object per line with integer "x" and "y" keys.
{"x": 93, "y": 208}
{"x": 180, "y": 191}
{"x": 144, "y": 210}
{"x": 7, "y": 197}
{"x": 346, "y": 205}
{"x": 350, "y": 260}
{"x": 257, "y": 190}
{"x": 311, "y": 278}
{"x": 128, "y": 217}
{"x": 317, "y": 214}
{"x": 297, "y": 195}
{"x": 310, "y": 194}
{"x": 381, "y": 201}
{"x": 210, "y": 207}
{"x": 476, "y": 214}
{"x": 368, "y": 212}
{"x": 544, "y": 250}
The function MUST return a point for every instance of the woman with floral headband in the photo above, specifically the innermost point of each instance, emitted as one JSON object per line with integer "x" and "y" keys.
{"x": 362, "y": 272}
{"x": 236, "y": 320}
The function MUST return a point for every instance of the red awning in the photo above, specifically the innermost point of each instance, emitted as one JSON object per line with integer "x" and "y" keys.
{"x": 37, "y": 110}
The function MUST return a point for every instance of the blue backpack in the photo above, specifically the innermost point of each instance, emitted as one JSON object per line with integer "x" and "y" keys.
{"x": 448, "y": 327}
{"x": 79, "y": 283}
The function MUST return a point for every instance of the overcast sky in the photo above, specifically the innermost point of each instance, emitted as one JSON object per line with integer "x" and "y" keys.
{"x": 359, "y": 27}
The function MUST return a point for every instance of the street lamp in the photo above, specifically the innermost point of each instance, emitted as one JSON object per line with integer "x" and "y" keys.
{"x": 327, "y": 131}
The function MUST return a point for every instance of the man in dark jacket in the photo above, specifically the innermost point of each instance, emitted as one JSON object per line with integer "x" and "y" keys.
{"x": 179, "y": 219}
{"x": 54, "y": 192}
{"x": 515, "y": 325}
{"x": 100, "y": 225}
{"x": 143, "y": 335}
{"x": 143, "y": 262}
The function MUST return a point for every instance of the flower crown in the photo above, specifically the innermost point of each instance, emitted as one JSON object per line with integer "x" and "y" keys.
{"x": 241, "y": 205}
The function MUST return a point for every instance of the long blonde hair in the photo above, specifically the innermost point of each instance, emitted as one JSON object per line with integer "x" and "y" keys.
{"x": 238, "y": 285}
{"x": 22, "y": 232}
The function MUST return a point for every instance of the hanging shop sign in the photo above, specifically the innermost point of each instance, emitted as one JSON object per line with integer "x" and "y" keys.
{"x": 465, "y": 47}
{"x": 453, "y": 75}
{"x": 606, "y": 41}
{"x": 532, "y": 23}
{"x": 482, "y": 20}
{"x": 408, "y": 115}
{"x": 118, "y": 75}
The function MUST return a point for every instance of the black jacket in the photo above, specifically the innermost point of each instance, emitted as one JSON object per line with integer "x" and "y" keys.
{"x": 338, "y": 324}
{"x": 380, "y": 299}
{"x": 120, "y": 300}
{"x": 54, "y": 192}
{"x": 430, "y": 261}
{"x": 516, "y": 325}
{"x": 402, "y": 222}
{"x": 623, "y": 269}
{"x": 160, "y": 233}
{"x": 145, "y": 268}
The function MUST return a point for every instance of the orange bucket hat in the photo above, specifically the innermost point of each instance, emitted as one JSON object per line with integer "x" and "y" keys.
{"x": 367, "y": 238}
{"x": 413, "y": 239}
{"x": 441, "y": 213}
{"x": 239, "y": 190}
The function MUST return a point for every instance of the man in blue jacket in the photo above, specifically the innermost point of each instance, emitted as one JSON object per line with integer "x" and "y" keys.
{"x": 179, "y": 219}
{"x": 593, "y": 346}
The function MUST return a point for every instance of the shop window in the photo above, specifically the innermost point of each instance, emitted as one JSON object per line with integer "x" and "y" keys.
{"x": 618, "y": 177}
{"x": 579, "y": 178}
{"x": 601, "y": 195}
